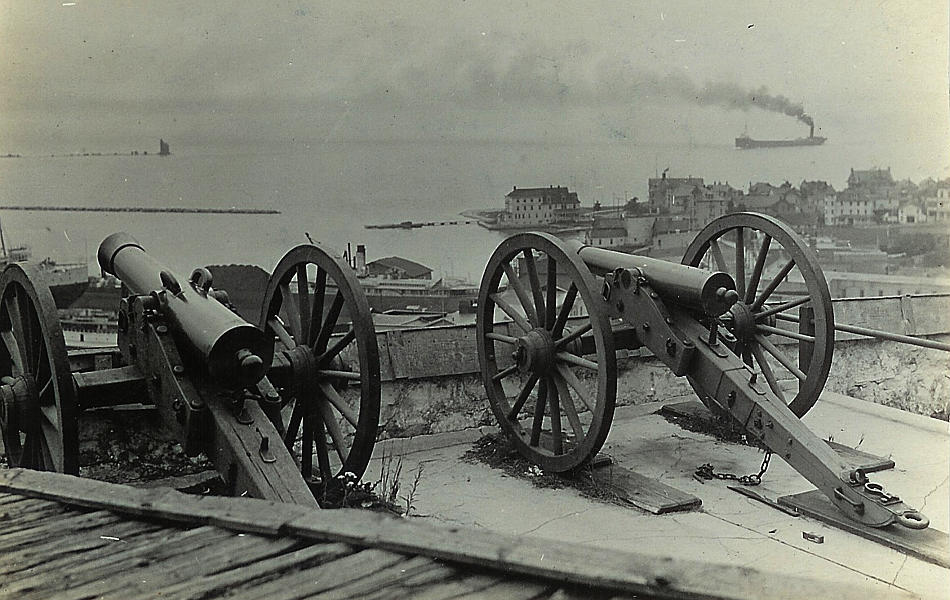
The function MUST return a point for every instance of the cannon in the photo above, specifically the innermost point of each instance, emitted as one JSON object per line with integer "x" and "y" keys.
{"x": 260, "y": 400}
{"x": 552, "y": 315}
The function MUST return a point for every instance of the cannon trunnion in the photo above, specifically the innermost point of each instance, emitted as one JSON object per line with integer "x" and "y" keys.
{"x": 553, "y": 314}
{"x": 260, "y": 400}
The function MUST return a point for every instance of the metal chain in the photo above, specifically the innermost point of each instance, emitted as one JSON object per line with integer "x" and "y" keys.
{"x": 706, "y": 472}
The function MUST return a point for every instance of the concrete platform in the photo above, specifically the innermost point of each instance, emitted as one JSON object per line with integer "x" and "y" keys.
{"x": 728, "y": 528}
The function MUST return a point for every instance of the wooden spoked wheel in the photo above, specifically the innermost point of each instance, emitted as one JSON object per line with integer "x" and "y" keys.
{"x": 547, "y": 358}
{"x": 38, "y": 412}
{"x": 778, "y": 278}
{"x": 317, "y": 312}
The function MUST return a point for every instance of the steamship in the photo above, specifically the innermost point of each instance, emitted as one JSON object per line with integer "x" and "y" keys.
{"x": 744, "y": 142}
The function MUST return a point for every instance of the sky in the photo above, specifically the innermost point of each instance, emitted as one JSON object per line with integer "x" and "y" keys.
{"x": 104, "y": 75}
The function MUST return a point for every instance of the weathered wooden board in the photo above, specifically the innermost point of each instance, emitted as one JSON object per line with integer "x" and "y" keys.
{"x": 645, "y": 492}
{"x": 856, "y": 458}
{"x": 926, "y": 544}
{"x": 479, "y": 559}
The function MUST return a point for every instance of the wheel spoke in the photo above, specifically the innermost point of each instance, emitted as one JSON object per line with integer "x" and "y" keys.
{"x": 16, "y": 323}
{"x": 306, "y": 444}
{"x": 329, "y": 323}
{"x": 526, "y": 303}
{"x": 293, "y": 426}
{"x": 539, "y": 403}
{"x": 13, "y": 349}
{"x": 576, "y": 385}
{"x": 535, "y": 286}
{"x": 31, "y": 326}
{"x": 565, "y": 310}
{"x": 577, "y": 360}
{"x": 780, "y": 357}
{"x": 786, "y": 333}
{"x": 338, "y": 346}
{"x": 567, "y": 339}
{"x": 332, "y": 374}
{"x": 767, "y": 371}
{"x": 323, "y": 457}
{"x": 292, "y": 313}
{"x": 522, "y": 397}
{"x": 45, "y": 388}
{"x": 334, "y": 398}
{"x": 757, "y": 269}
{"x": 772, "y": 310}
{"x": 511, "y": 311}
{"x": 557, "y": 443}
{"x": 319, "y": 294}
{"x": 278, "y": 328}
{"x": 504, "y": 373}
{"x": 717, "y": 255}
{"x": 776, "y": 281}
{"x": 568, "y": 403}
{"x": 740, "y": 261}
{"x": 500, "y": 337}
{"x": 336, "y": 435}
{"x": 303, "y": 303}
{"x": 551, "y": 293}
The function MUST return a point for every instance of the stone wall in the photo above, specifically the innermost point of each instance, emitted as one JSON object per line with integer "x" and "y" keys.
{"x": 431, "y": 380}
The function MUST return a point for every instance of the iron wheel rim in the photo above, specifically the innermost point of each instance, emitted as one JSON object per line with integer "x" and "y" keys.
{"x": 33, "y": 345}
{"x": 547, "y": 377}
{"x": 314, "y": 338}
{"x": 819, "y": 298}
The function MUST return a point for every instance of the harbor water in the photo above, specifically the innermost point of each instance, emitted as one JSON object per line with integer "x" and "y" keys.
{"x": 332, "y": 190}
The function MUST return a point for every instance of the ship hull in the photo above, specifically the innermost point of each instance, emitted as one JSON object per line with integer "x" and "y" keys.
{"x": 746, "y": 143}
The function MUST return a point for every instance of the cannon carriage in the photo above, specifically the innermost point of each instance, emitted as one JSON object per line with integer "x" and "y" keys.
{"x": 552, "y": 316}
{"x": 259, "y": 399}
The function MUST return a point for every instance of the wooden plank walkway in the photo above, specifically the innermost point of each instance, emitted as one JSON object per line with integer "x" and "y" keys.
{"x": 68, "y": 538}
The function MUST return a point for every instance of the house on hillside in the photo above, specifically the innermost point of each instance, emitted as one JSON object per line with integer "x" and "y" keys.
{"x": 672, "y": 194}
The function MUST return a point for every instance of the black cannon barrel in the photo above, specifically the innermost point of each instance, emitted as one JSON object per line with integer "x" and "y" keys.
{"x": 236, "y": 353}
{"x": 712, "y": 292}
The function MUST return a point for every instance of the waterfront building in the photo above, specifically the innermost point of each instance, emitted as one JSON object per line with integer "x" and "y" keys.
{"x": 540, "y": 206}
{"x": 607, "y": 232}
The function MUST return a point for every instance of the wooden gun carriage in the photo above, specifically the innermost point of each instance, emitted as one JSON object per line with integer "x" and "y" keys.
{"x": 553, "y": 314}
{"x": 241, "y": 393}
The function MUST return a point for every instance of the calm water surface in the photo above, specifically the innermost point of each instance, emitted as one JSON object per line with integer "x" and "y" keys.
{"x": 333, "y": 190}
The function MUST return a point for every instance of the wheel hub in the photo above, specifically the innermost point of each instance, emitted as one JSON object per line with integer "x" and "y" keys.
{"x": 743, "y": 321}
{"x": 534, "y": 352}
{"x": 18, "y": 402}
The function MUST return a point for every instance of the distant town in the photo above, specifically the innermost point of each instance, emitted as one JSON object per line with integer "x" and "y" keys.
{"x": 677, "y": 207}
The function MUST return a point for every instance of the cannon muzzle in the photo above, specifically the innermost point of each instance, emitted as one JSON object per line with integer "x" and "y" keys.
{"x": 235, "y": 353}
{"x": 714, "y": 293}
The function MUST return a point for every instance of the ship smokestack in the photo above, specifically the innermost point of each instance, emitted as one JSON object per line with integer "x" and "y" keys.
{"x": 360, "y": 259}
{"x": 811, "y": 130}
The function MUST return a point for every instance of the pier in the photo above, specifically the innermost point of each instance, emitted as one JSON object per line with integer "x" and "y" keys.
{"x": 418, "y": 224}
{"x": 148, "y": 209}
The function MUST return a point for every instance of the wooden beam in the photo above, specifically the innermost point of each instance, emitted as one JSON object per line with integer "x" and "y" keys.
{"x": 564, "y": 562}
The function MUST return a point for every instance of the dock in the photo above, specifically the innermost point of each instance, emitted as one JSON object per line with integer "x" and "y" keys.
{"x": 148, "y": 209}
{"x": 418, "y": 224}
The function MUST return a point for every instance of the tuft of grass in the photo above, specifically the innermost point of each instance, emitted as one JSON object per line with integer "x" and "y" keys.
{"x": 723, "y": 428}
{"x": 497, "y": 452}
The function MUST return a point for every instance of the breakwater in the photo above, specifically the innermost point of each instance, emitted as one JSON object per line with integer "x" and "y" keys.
{"x": 148, "y": 209}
